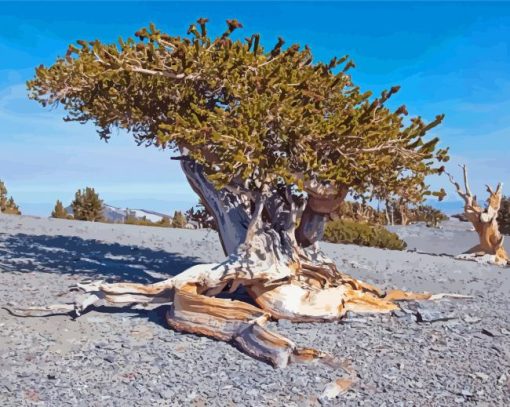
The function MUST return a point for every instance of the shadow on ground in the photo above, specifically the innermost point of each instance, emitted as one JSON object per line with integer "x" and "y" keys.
{"x": 88, "y": 258}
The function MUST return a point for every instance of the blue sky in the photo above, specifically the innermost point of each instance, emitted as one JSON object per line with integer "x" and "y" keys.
{"x": 451, "y": 58}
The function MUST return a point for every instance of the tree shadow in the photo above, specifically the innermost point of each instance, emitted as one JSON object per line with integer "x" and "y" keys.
{"x": 89, "y": 258}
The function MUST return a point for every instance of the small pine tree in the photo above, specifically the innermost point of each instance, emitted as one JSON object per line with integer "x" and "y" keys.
{"x": 179, "y": 220}
{"x": 59, "y": 211}
{"x": 7, "y": 205}
{"x": 87, "y": 205}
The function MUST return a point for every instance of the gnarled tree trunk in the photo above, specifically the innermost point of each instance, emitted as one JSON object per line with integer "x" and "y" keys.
{"x": 278, "y": 263}
{"x": 484, "y": 220}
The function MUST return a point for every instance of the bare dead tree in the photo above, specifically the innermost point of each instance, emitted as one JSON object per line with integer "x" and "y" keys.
{"x": 484, "y": 221}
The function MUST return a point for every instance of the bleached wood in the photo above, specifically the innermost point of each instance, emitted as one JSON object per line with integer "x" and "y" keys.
{"x": 484, "y": 220}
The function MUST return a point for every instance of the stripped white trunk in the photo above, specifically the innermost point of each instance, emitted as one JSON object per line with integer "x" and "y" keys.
{"x": 229, "y": 210}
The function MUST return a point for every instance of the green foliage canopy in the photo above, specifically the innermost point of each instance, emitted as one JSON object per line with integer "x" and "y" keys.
{"x": 249, "y": 115}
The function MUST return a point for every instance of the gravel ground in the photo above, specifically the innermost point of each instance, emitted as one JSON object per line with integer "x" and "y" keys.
{"x": 440, "y": 353}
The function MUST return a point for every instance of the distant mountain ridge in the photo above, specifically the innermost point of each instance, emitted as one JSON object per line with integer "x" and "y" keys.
{"x": 116, "y": 215}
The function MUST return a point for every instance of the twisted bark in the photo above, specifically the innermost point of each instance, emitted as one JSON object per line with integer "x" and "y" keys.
{"x": 484, "y": 221}
{"x": 229, "y": 210}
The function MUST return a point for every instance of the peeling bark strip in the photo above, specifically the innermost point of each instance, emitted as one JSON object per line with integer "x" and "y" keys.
{"x": 490, "y": 249}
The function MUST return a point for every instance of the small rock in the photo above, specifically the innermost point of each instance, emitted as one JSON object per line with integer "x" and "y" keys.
{"x": 466, "y": 393}
{"x": 482, "y": 376}
{"x": 166, "y": 394}
{"x": 335, "y": 388}
{"x": 488, "y": 333}
{"x": 502, "y": 379}
{"x": 471, "y": 320}
{"x": 426, "y": 314}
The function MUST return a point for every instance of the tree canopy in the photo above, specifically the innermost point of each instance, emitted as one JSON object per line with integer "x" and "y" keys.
{"x": 250, "y": 116}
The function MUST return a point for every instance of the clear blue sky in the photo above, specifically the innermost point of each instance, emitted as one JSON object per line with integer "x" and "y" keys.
{"x": 450, "y": 58}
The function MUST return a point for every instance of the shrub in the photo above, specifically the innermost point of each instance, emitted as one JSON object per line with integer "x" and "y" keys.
{"x": 179, "y": 220}
{"x": 363, "y": 234}
{"x": 7, "y": 205}
{"x": 360, "y": 212}
{"x": 428, "y": 214}
{"x": 164, "y": 222}
{"x": 87, "y": 205}
{"x": 131, "y": 219}
{"x": 504, "y": 216}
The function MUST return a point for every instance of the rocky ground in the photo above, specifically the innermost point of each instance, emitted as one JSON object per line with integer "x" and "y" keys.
{"x": 439, "y": 353}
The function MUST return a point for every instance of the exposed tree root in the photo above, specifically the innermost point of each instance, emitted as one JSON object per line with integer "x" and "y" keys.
{"x": 306, "y": 292}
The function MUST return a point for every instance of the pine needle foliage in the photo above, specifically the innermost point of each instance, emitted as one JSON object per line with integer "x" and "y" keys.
{"x": 246, "y": 113}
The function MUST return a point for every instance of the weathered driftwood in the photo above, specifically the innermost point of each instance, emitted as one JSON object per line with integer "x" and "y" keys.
{"x": 484, "y": 220}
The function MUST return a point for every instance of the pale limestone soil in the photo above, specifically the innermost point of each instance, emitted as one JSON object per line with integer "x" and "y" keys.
{"x": 129, "y": 357}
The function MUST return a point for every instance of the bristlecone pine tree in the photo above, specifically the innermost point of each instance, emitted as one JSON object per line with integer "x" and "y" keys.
{"x": 484, "y": 220}
{"x": 272, "y": 142}
{"x": 7, "y": 205}
{"x": 59, "y": 211}
{"x": 87, "y": 205}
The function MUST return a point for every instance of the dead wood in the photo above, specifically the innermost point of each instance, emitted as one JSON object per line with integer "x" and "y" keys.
{"x": 306, "y": 291}
{"x": 484, "y": 220}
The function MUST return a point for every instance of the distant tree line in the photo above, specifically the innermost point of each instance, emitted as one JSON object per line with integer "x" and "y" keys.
{"x": 392, "y": 213}
{"x": 88, "y": 206}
